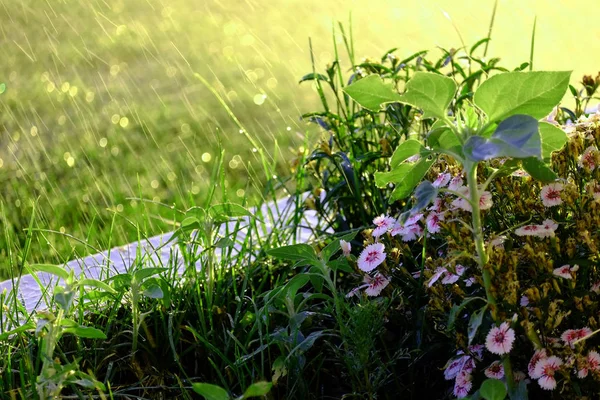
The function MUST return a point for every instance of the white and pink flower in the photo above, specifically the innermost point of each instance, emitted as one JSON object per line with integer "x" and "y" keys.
{"x": 566, "y": 271}
{"x": 570, "y": 336}
{"x": 455, "y": 183}
{"x": 433, "y": 222}
{"x": 551, "y": 194}
{"x": 539, "y": 355}
{"x": 371, "y": 257}
{"x": 442, "y": 180}
{"x": 463, "y": 384}
{"x": 375, "y": 284}
{"x": 383, "y": 224}
{"x": 546, "y": 369}
{"x": 346, "y": 247}
{"x": 588, "y": 158}
{"x": 495, "y": 370}
{"x": 500, "y": 339}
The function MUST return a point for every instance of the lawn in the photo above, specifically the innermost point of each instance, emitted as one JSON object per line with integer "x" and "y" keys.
{"x": 101, "y": 107}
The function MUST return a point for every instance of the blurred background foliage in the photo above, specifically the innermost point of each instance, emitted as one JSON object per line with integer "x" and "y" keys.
{"x": 99, "y": 102}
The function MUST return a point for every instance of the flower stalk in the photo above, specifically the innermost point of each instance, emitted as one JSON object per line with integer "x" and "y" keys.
{"x": 482, "y": 257}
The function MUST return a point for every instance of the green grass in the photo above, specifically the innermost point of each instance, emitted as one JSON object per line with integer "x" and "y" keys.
{"x": 101, "y": 105}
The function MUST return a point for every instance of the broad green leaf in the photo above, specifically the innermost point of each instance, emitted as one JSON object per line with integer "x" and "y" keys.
{"x": 341, "y": 264}
{"x": 257, "y": 389}
{"x": 517, "y": 136}
{"x": 407, "y": 149}
{"x": 553, "y": 139}
{"x": 295, "y": 252}
{"x": 85, "y": 332}
{"x": 475, "y": 322}
{"x": 97, "y": 284}
{"x": 371, "y": 92}
{"x": 153, "y": 291}
{"x": 382, "y": 179}
{"x": 530, "y": 93}
{"x": 143, "y": 273}
{"x": 210, "y": 392}
{"x": 493, "y": 389}
{"x": 425, "y": 193}
{"x": 444, "y": 139}
{"x": 430, "y": 92}
{"x": 50, "y": 269}
{"x": 26, "y": 327}
{"x": 520, "y": 391}
{"x": 64, "y": 297}
{"x": 226, "y": 211}
{"x": 405, "y": 186}
{"x": 538, "y": 170}
{"x": 295, "y": 284}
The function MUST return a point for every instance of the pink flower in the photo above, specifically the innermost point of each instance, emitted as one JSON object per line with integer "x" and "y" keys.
{"x": 519, "y": 376}
{"x": 455, "y": 366}
{"x": 591, "y": 362}
{"x": 594, "y": 360}
{"x": 437, "y": 274}
{"x": 451, "y": 278}
{"x": 485, "y": 201}
{"x": 409, "y": 232}
{"x": 470, "y": 281}
{"x": 455, "y": 183}
{"x": 437, "y": 205}
{"x": 596, "y": 287}
{"x": 551, "y": 118}
{"x": 463, "y": 384}
{"x": 520, "y": 174}
{"x": 461, "y": 202}
{"x": 570, "y": 336}
{"x": 495, "y": 370}
{"x": 528, "y": 230}
{"x": 546, "y": 229}
{"x": 442, "y": 180}
{"x": 433, "y": 222}
{"x": 545, "y": 369}
{"x": 500, "y": 339}
{"x": 371, "y": 257}
{"x": 566, "y": 271}
{"x": 539, "y": 355}
{"x": 384, "y": 223}
{"x": 524, "y": 301}
{"x": 588, "y": 158}
{"x": 413, "y": 159}
{"x": 346, "y": 247}
{"x": 375, "y": 284}
{"x": 551, "y": 194}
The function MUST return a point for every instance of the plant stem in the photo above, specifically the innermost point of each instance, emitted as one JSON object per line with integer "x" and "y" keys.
{"x": 482, "y": 259}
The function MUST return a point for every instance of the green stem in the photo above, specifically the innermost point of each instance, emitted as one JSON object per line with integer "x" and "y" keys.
{"x": 482, "y": 258}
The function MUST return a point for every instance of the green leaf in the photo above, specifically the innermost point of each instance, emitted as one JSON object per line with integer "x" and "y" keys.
{"x": 26, "y": 327}
{"x": 143, "y": 273}
{"x": 50, "y": 269}
{"x": 64, "y": 297}
{"x": 444, "y": 139}
{"x": 455, "y": 312}
{"x": 404, "y": 187}
{"x": 257, "y": 389}
{"x": 153, "y": 291}
{"x": 425, "y": 193}
{"x": 475, "y": 322}
{"x": 371, "y": 92}
{"x": 312, "y": 77}
{"x": 493, "y": 389}
{"x": 538, "y": 170}
{"x": 530, "y": 93}
{"x": 407, "y": 149}
{"x": 520, "y": 391}
{"x": 85, "y": 332}
{"x": 97, "y": 284}
{"x": 553, "y": 139}
{"x": 210, "y": 392}
{"x": 382, "y": 179}
{"x": 430, "y": 92}
{"x": 226, "y": 211}
{"x": 295, "y": 284}
{"x": 295, "y": 252}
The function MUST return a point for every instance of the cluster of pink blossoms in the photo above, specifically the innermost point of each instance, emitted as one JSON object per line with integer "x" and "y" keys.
{"x": 545, "y": 229}
{"x": 460, "y": 369}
